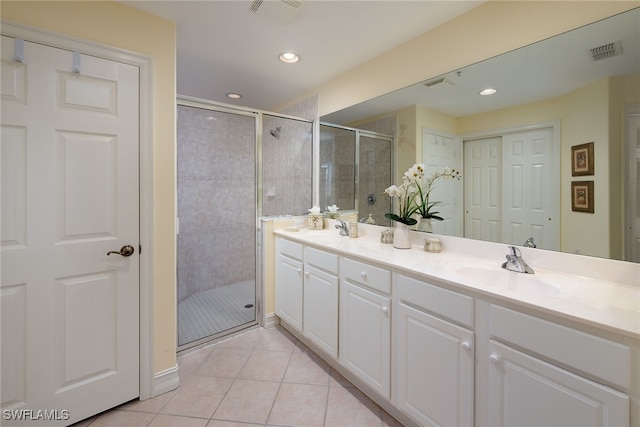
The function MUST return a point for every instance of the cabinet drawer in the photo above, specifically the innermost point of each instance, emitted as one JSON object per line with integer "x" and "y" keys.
{"x": 607, "y": 360}
{"x": 373, "y": 277}
{"x": 289, "y": 248}
{"x": 434, "y": 299}
{"x": 323, "y": 260}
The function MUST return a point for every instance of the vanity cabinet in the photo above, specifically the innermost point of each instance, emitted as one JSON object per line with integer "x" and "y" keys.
{"x": 536, "y": 374}
{"x": 289, "y": 282}
{"x": 434, "y": 354}
{"x": 459, "y": 358}
{"x": 365, "y": 323}
{"x": 320, "y": 307}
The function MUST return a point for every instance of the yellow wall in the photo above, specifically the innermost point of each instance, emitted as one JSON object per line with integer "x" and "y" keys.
{"x": 116, "y": 25}
{"x": 623, "y": 91}
{"x": 585, "y": 120}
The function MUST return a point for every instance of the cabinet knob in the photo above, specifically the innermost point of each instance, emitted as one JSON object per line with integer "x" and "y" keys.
{"x": 466, "y": 345}
{"x": 307, "y": 274}
{"x": 299, "y": 271}
{"x": 384, "y": 309}
{"x": 363, "y": 275}
{"x": 495, "y": 359}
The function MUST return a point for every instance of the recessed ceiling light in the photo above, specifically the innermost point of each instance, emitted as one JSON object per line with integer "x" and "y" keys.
{"x": 234, "y": 95}
{"x": 289, "y": 57}
{"x": 489, "y": 91}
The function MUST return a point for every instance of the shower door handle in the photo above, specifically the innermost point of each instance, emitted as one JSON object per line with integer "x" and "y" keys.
{"x": 125, "y": 251}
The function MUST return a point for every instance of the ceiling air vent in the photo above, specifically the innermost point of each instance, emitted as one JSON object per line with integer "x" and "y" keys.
{"x": 439, "y": 80}
{"x": 606, "y": 51}
{"x": 281, "y": 11}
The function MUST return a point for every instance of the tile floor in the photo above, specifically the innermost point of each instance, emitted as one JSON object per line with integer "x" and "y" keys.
{"x": 262, "y": 377}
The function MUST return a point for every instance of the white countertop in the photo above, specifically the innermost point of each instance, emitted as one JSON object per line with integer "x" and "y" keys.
{"x": 591, "y": 299}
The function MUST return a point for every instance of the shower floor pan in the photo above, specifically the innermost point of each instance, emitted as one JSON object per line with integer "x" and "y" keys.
{"x": 215, "y": 310}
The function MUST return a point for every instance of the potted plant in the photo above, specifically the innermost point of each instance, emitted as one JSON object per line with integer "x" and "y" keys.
{"x": 405, "y": 193}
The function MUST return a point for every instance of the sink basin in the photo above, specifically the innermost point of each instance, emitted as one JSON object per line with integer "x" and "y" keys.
{"x": 325, "y": 237}
{"x": 509, "y": 281}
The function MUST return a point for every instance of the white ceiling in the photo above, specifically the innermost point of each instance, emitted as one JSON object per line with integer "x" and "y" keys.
{"x": 222, "y": 47}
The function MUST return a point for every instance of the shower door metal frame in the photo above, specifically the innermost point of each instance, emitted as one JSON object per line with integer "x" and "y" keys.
{"x": 260, "y": 315}
{"x": 358, "y": 133}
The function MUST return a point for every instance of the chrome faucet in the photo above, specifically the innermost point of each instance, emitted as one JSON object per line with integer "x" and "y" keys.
{"x": 529, "y": 243}
{"x": 515, "y": 262}
{"x": 343, "y": 227}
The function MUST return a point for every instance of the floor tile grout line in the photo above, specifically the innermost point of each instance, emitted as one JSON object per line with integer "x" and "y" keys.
{"x": 235, "y": 379}
{"x": 284, "y": 374}
{"x": 326, "y": 404}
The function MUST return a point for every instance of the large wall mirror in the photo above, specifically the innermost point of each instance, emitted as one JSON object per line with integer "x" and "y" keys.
{"x": 580, "y": 87}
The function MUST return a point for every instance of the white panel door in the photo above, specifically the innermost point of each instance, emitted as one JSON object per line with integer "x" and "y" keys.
{"x": 632, "y": 234}
{"x": 70, "y": 312}
{"x": 530, "y": 208}
{"x": 483, "y": 189}
{"x": 440, "y": 151}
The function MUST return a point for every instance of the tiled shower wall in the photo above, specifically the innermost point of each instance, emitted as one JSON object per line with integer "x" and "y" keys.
{"x": 286, "y": 166}
{"x": 337, "y": 155}
{"x": 375, "y": 176}
{"x": 337, "y": 168}
{"x": 377, "y": 153}
{"x": 216, "y": 199}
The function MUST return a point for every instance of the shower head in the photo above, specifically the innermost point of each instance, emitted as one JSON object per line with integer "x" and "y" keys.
{"x": 275, "y": 132}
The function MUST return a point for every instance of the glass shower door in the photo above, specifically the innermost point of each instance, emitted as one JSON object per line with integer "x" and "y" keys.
{"x": 217, "y": 223}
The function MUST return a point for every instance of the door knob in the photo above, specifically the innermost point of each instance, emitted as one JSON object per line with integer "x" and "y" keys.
{"x": 126, "y": 250}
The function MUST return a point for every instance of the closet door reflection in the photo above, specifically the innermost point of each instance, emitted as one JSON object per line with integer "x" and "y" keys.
{"x": 217, "y": 223}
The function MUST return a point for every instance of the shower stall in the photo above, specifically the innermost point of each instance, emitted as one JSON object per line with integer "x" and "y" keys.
{"x": 356, "y": 167}
{"x": 234, "y": 166}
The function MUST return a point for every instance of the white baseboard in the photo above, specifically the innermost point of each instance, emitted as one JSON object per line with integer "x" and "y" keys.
{"x": 165, "y": 381}
{"x": 271, "y": 320}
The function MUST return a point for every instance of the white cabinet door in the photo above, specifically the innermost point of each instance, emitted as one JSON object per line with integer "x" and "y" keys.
{"x": 289, "y": 290}
{"x": 365, "y": 336}
{"x": 321, "y": 309}
{"x": 525, "y": 391}
{"x": 434, "y": 369}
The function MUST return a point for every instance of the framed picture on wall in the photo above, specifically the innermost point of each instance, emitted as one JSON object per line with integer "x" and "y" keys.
{"x": 582, "y": 159}
{"x": 582, "y": 196}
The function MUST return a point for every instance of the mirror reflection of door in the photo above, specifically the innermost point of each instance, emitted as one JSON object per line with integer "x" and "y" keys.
{"x": 506, "y": 191}
{"x": 441, "y": 151}
{"x": 483, "y": 189}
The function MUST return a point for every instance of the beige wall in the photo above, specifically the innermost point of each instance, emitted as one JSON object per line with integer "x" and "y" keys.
{"x": 623, "y": 91}
{"x": 116, "y": 25}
